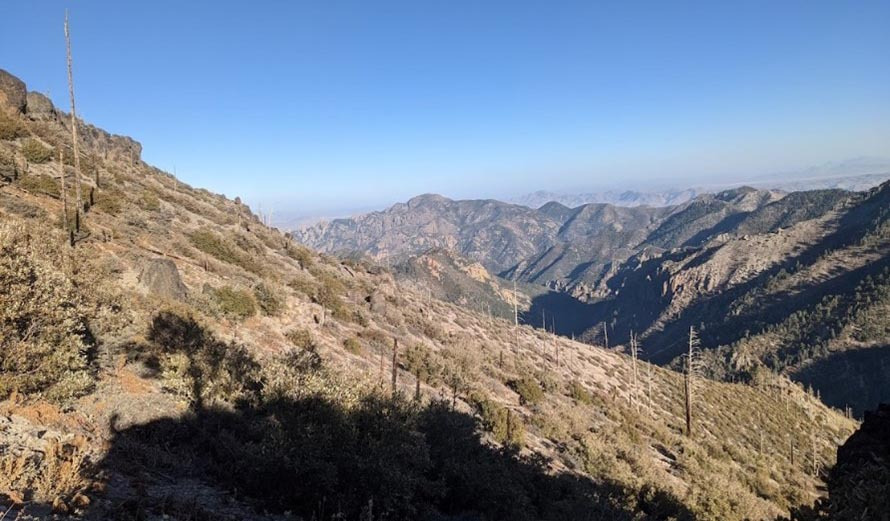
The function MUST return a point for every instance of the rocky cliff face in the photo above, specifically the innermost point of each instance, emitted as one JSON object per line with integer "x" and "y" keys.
{"x": 859, "y": 483}
{"x": 16, "y": 99}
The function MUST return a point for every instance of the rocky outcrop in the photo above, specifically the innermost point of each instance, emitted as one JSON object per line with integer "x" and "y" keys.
{"x": 859, "y": 483}
{"x": 39, "y": 106}
{"x": 161, "y": 278}
{"x": 12, "y": 93}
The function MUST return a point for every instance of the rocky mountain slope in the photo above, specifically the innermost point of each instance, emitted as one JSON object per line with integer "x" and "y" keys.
{"x": 808, "y": 299}
{"x": 184, "y": 361}
{"x": 554, "y": 245}
{"x": 794, "y": 283}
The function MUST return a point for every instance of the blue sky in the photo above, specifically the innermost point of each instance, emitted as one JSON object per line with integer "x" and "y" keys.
{"x": 314, "y": 107}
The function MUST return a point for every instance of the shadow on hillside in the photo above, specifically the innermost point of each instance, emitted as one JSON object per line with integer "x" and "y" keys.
{"x": 381, "y": 458}
{"x": 857, "y": 378}
{"x": 572, "y": 317}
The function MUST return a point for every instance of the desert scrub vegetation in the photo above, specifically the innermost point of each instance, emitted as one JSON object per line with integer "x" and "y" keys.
{"x": 299, "y": 253}
{"x": 300, "y": 338}
{"x": 235, "y": 303}
{"x": 269, "y": 300}
{"x": 54, "y": 475}
{"x": 528, "y": 388}
{"x": 505, "y": 426}
{"x": 148, "y": 200}
{"x": 197, "y": 366}
{"x": 40, "y": 184}
{"x": 224, "y": 250}
{"x": 579, "y": 393}
{"x": 46, "y": 346}
{"x": 35, "y": 152}
{"x": 10, "y": 127}
{"x": 356, "y": 453}
{"x": 111, "y": 201}
{"x": 353, "y": 345}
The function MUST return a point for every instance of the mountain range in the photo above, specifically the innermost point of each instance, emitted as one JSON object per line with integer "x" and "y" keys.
{"x": 791, "y": 282}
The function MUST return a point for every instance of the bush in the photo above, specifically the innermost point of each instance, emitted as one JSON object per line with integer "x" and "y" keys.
{"x": 505, "y": 426}
{"x": 149, "y": 201}
{"x": 235, "y": 303}
{"x": 300, "y": 338}
{"x": 35, "y": 152}
{"x": 353, "y": 345}
{"x": 40, "y": 184}
{"x": 528, "y": 389}
{"x": 213, "y": 245}
{"x": 300, "y": 254}
{"x": 45, "y": 342}
{"x": 10, "y": 127}
{"x": 110, "y": 201}
{"x": 269, "y": 301}
{"x": 579, "y": 393}
{"x": 303, "y": 285}
{"x": 197, "y": 366}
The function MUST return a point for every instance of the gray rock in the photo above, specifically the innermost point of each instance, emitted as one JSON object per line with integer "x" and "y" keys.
{"x": 161, "y": 278}
{"x": 40, "y": 106}
{"x": 12, "y": 92}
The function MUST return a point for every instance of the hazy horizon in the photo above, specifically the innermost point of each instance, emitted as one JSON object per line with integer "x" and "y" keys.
{"x": 317, "y": 108}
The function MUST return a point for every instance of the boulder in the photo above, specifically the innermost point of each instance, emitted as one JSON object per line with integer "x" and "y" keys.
{"x": 13, "y": 94}
{"x": 161, "y": 278}
{"x": 39, "y": 106}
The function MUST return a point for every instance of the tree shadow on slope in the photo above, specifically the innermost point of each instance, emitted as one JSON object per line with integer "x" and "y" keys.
{"x": 858, "y": 378}
{"x": 564, "y": 314}
{"x": 282, "y": 450}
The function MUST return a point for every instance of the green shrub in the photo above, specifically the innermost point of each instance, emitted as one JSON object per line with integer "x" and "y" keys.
{"x": 215, "y": 246}
{"x": 303, "y": 285}
{"x": 528, "y": 389}
{"x": 235, "y": 303}
{"x": 45, "y": 340}
{"x": 300, "y": 254}
{"x": 353, "y": 345}
{"x": 270, "y": 301}
{"x": 110, "y": 201}
{"x": 10, "y": 127}
{"x": 300, "y": 338}
{"x": 149, "y": 201}
{"x": 40, "y": 184}
{"x": 579, "y": 393}
{"x": 505, "y": 426}
{"x": 35, "y": 152}
{"x": 196, "y": 365}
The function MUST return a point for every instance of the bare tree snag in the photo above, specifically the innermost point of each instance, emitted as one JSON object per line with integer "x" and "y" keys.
{"x": 690, "y": 372}
{"x": 79, "y": 201}
{"x": 64, "y": 192}
{"x": 395, "y": 364}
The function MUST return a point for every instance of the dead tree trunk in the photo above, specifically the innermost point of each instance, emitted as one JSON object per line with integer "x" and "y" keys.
{"x": 633, "y": 355}
{"x": 515, "y": 305}
{"x": 79, "y": 200}
{"x": 395, "y": 364}
{"x": 64, "y": 194}
{"x": 690, "y": 369}
{"x": 605, "y": 335}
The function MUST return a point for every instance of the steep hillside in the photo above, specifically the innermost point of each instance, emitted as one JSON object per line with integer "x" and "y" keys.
{"x": 807, "y": 299}
{"x": 183, "y": 361}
